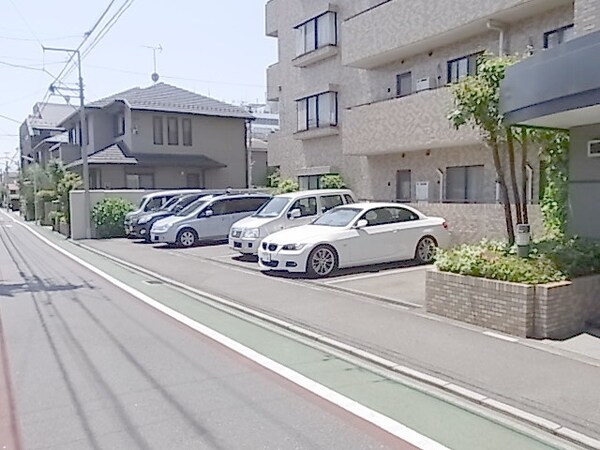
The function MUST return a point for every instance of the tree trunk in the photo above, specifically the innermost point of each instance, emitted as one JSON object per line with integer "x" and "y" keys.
{"x": 510, "y": 144}
{"x": 524, "y": 148}
{"x": 510, "y": 231}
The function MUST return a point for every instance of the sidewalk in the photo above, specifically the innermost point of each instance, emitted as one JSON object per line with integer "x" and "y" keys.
{"x": 559, "y": 388}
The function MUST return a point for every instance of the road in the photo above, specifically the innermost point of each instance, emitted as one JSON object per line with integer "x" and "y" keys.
{"x": 85, "y": 365}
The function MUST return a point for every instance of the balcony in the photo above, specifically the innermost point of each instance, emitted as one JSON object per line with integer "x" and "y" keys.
{"x": 398, "y": 29}
{"x": 273, "y": 82}
{"x": 415, "y": 122}
{"x": 272, "y": 14}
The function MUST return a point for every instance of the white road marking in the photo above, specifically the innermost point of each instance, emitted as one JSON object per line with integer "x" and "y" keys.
{"x": 383, "y": 273}
{"x": 500, "y": 336}
{"x": 353, "y": 407}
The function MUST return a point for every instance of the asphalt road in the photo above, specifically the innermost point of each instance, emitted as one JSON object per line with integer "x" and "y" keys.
{"x": 557, "y": 387}
{"x": 84, "y": 365}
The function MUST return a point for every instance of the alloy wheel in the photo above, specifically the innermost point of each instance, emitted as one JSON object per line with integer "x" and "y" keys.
{"x": 323, "y": 261}
{"x": 426, "y": 250}
{"x": 187, "y": 238}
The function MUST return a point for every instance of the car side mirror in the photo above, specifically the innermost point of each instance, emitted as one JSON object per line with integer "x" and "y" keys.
{"x": 361, "y": 224}
{"x": 294, "y": 214}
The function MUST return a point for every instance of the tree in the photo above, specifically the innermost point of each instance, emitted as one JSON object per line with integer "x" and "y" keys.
{"x": 477, "y": 103}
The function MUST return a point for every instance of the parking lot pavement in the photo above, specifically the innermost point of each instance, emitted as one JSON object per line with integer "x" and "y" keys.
{"x": 402, "y": 282}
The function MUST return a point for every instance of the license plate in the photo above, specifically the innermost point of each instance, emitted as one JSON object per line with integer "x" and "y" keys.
{"x": 266, "y": 257}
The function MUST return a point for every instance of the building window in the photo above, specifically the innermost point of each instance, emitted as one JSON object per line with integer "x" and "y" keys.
{"x": 119, "y": 124}
{"x": 186, "y": 125}
{"x": 464, "y": 184}
{"x": 462, "y": 67}
{"x": 72, "y": 136}
{"x": 139, "y": 181}
{"x": 317, "y": 111}
{"x": 172, "y": 131}
{"x": 158, "y": 130}
{"x": 306, "y": 182}
{"x": 558, "y": 36}
{"x": 404, "y": 84}
{"x": 403, "y": 185}
{"x": 316, "y": 33}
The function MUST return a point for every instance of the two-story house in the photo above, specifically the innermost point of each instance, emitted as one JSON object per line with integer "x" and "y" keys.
{"x": 41, "y": 131}
{"x": 159, "y": 137}
{"x": 364, "y": 90}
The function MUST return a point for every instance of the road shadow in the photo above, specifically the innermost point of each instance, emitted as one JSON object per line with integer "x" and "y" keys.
{"x": 33, "y": 286}
{"x": 246, "y": 258}
{"x": 197, "y": 245}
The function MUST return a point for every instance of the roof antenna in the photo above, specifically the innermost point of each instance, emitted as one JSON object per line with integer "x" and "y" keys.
{"x": 155, "y": 77}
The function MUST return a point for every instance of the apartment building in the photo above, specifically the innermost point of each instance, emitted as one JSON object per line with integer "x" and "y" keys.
{"x": 364, "y": 91}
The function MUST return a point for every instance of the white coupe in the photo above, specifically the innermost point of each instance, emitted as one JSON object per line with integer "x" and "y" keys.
{"x": 355, "y": 235}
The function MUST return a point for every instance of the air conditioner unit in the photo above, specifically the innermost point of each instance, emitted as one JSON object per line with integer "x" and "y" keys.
{"x": 594, "y": 148}
{"x": 425, "y": 83}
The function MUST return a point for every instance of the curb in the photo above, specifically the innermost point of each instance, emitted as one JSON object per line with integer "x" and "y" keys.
{"x": 546, "y": 425}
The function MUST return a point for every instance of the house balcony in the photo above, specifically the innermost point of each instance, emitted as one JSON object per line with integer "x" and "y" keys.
{"x": 273, "y": 82}
{"x": 272, "y": 13}
{"x": 414, "y": 122}
{"x": 397, "y": 29}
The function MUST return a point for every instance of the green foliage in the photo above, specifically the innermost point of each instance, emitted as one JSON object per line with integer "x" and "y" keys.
{"x": 46, "y": 195}
{"x": 273, "y": 177}
{"x": 65, "y": 185}
{"x": 332, "y": 181}
{"x": 288, "y": 185}
{"x": 550, "y": 260}
{"x": 109, "y": 216}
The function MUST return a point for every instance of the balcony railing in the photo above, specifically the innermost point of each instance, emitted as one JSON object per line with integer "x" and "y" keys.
{"x": 401, "y": 28}
{"x": 414, "y": 122}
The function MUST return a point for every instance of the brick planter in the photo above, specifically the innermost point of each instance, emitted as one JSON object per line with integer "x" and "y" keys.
{"x": 555, "y": 310}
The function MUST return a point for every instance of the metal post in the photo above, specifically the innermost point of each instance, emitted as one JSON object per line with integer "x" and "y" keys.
{"x": 84, "y": 156}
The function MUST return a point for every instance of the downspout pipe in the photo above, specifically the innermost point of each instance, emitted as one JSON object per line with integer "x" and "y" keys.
{"x": 500, "y": 28}
{"x": 440, "y": 173}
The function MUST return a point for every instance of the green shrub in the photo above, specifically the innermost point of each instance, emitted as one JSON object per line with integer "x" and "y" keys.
{"x": 550, "y": 260}
{"x": 285, "y": 186}
{"x": 47, "y": 195}
{"x": 332, "y": 181}
{"x": 109, "y": 216}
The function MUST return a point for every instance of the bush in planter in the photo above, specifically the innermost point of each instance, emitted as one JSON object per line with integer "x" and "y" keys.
{"x": 109, "y": 215}
{"x": 332, "y": 181}
{"x": 286, "y": 186}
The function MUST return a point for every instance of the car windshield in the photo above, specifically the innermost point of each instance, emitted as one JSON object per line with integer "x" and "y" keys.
{"x": 169, "y": 205}
{"x": 337, "y": 217}
{"x": 273, "y": 207}
{"x": 193, "y": 206}
{"x": 182, "y": 203}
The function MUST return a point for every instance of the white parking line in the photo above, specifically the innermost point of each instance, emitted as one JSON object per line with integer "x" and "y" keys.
{"x": 383, "y": 273}
{"x": 500, "y": 336}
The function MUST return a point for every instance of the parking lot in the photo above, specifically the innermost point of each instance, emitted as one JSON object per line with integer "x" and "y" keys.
{"x": 402, "y": 283}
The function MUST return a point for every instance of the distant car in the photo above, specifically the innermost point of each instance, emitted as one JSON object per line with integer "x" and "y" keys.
{"x": 355, "y": 235}
{"x": 206, "y": 219}
{"x": 141, "y": 226}
{"x": 285, "y": 211}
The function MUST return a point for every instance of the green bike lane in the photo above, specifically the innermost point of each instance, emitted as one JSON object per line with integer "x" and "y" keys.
{"x": 451, "y": 422}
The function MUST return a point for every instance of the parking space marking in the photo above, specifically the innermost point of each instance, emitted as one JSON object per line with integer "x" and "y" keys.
{"x": 377, "y": 274}
{"x": 500, "y": 336}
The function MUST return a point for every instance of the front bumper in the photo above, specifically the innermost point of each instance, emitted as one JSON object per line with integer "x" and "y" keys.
{"x": 245, "y": 246}
{"x": 161, "y": 237}
{"x": 140, "y": 231}
{"x": 286, "y": 260}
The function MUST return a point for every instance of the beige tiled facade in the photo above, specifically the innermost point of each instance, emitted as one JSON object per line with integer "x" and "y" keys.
{"x": 378, "y": 133}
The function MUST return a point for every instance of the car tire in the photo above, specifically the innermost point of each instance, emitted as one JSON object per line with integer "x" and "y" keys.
{"x": 425, "y": 251}
{"x": 322, "y": 261}
{"x": 186, "y": 238}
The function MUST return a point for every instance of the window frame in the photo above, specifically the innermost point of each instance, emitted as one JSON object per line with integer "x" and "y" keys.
{"x": 560, "y": 32}
{"x": 301, "y": 34}
{"x": 471, "y": 60}
{"x": 155, "y": 121}
{"x": 303, "y": 105}
{"x": 464, "y": 184}
{"x": 186, "y": 142}
{"x": 316, "y": 206}
{"x": 399, "y": 78}
{"x": 324, "y": 209}
{"x": 174, "y": 120}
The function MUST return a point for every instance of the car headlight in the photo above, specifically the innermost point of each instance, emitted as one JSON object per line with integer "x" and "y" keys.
{"x": 162, "y": 227}
{"x": 293, "y": 246}
{"x": 252, "y": 233}
{"x": 143, "y": 220}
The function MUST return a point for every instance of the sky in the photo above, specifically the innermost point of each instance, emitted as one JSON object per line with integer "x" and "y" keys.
{"x": 214, "y": 48}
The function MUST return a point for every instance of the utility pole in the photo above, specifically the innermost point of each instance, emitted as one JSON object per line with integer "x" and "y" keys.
{"x": 82, "y": 141}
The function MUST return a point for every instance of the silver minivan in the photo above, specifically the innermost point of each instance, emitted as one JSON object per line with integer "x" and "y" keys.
{"x": 209, "y": 218}
{"x": 285, "y": 211}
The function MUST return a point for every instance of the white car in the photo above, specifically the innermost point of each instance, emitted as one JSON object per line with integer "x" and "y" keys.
{"x": 285, "y": 211}
{"x": 355, "y": 235}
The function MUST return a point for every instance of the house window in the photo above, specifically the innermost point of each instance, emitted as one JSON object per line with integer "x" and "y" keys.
{"x": 172, "y": 131}
{"x": 72, "y": 136}
{"x": 119, "y": 124}
{"x": 464, "y": 184}
{"x": 186, "y": 125}
{"x": 316, "y": 33}
{"x": 317, "y": 111}
{"x": 403, "y": 185}
{"x": 306, "y": 182}
{"x": 403, "y": 84}
{"x": 558, "y": 36}
{"x": 158, "y": 130}
{"x": 462, "y": 67}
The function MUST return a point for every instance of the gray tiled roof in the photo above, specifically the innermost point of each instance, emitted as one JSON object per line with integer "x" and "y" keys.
{"x": 49, "y": 115}
{"x": 113, "y": 154}
{"x": 164, "y": 97}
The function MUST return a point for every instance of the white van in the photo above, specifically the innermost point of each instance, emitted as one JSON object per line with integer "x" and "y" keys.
{"x": 208, "y": 218}
{"x": 285, "y": 211}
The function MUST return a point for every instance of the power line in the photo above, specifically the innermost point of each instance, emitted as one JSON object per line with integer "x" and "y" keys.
{"x": 39, "y": 68}
{"x": 19, "y": 39}
{"x": 10, "y": 119}
{"x": 26, "y": 22}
